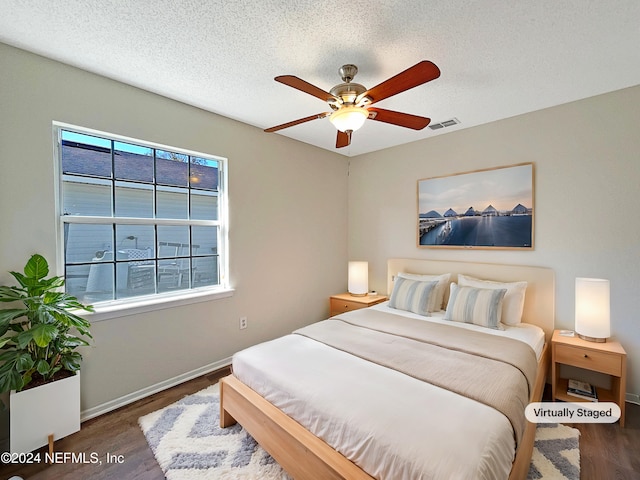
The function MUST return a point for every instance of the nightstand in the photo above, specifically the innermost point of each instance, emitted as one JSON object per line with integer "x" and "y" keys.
{"x": 609, "y": 358}
{"x": 345, "y": 302}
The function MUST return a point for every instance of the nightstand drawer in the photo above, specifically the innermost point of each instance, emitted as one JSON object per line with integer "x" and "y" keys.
{"x": 590, "y": 359}
{"x": 345, "y": 302}
{"x": 341, "y": 306}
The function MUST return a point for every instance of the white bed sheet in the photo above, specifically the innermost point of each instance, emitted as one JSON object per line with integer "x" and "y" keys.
{"x": 530, "y": 334}
{"x": 391, "y": 425}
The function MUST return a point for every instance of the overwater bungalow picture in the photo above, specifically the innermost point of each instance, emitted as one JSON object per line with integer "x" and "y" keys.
{"x": 482, "y": 209}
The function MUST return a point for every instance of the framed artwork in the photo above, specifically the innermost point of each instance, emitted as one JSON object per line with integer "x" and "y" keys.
{"x": 490, "y": 208}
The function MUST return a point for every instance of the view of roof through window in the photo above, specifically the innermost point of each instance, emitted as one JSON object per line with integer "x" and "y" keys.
{"x": 88, "y": 155}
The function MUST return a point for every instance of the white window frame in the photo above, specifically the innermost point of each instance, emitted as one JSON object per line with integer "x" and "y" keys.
{"x": 140, "y": 304}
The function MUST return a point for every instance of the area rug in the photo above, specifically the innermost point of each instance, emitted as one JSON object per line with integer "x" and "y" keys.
{"x": 189, "y": 445}
{"x": 556, "y": 453}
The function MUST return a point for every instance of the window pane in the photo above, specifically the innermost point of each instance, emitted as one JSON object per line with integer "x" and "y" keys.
{"x": 205, "y": 240}
{"x": 172, "y": 202}
{"x": 135, "y": 279}
{"x": 203, "y": 174}
{"x": 173, "y": 241}
{"x": 135, "y": 241}
{"x": 134, "y": 200}
{"x": 173, "y": 274}
{"x": 204, "y": 205}
{"x": 205, "y": 271}
{"x": 172, "y": 168}
{"x": 99, "y": 282}
{"x": 86, "y": 197}
{"x": 133, "y": 162}
{"x": 76, "y": 277}
{"x": 87, "y": 243}
{"x": 85, "y": 154}
{"x": 142, "y": 278}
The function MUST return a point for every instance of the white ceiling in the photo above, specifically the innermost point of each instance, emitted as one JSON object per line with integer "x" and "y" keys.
{"x": 498, "y": 58}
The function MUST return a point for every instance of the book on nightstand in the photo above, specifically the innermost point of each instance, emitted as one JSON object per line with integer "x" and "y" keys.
{"x": 584, "y": 390}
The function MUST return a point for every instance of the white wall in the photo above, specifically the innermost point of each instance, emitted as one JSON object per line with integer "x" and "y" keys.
{"x": 288, "y": 203}
{"x": 587, "y": 184}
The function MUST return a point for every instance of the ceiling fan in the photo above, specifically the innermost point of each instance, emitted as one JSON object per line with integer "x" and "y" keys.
{"x": 351, "y": 102}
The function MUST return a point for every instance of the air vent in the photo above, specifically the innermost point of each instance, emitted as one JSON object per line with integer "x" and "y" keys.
{"x": 446, "y": 123}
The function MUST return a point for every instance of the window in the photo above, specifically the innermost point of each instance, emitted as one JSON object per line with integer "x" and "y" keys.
{"x": 139, "y": 219}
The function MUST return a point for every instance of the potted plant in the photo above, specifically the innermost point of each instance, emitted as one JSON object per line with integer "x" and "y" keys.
{"x": 39, "y": 361}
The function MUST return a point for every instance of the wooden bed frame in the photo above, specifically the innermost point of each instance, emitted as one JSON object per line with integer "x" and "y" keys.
{"x": 305, "y": 456}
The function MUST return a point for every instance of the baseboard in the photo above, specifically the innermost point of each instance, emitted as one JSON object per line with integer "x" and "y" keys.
{"x": 633, "y": 398}
{"x": 150, "y": 390}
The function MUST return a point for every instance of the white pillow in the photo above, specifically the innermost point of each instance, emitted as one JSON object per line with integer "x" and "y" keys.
{"x": 480, "y": 306}
{"x": 413, "y": 296}
{"x": 442, "y": 280}
{"x": 513, "y": 302}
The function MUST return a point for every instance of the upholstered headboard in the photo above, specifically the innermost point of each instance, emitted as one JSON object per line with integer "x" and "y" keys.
{"x": 539, "y": 303}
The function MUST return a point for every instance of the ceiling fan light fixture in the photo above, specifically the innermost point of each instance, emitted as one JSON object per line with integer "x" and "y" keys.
{"x": 349, "y": 118}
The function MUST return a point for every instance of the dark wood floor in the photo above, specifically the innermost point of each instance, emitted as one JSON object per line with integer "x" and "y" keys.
{"x": 606, "y": 451}
{"x": 117, "y": 433}
{"x": 610, "y": 452}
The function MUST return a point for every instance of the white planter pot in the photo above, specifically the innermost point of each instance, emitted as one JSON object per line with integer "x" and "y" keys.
{"x": 36, "y": 413}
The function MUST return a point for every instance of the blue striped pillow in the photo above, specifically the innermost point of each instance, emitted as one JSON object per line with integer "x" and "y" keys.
{"x": 413, "y": 295}
{"x": 480, "y": 306}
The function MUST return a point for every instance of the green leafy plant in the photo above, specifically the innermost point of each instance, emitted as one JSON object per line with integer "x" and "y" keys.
{"x": 39, "y": 339}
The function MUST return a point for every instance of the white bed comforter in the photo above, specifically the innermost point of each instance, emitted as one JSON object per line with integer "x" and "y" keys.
{"x": 391, "y": 425}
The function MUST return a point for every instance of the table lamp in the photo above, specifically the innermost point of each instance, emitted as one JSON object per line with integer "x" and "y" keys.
{"x": 592, "y": 309}
{"x": 358, "y": 285}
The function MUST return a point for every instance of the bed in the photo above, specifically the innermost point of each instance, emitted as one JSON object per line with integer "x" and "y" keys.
{"x": 324, "y": 411}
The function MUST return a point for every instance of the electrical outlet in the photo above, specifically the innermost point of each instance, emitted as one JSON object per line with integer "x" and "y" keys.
{"x": 243, "y": 323}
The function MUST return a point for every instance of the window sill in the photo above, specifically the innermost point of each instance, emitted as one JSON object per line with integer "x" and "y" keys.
{"x": 153, "y": 303}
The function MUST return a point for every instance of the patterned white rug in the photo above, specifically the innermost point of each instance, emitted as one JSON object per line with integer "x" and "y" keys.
{"x": 189, "y": 445}
{"x": 556, "y": 453}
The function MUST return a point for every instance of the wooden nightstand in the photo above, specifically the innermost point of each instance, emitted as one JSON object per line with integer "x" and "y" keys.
{"x": 609, "y": 358}
{"x": 345, "y": 302}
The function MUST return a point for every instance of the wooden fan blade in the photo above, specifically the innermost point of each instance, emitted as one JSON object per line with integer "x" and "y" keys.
{"x": 343, "y": 139}
{"x": 420, "y": 73}
{"x": 297, "y": 122}
{"x": 398, "y": 118}
{"x": 305, "y": 87}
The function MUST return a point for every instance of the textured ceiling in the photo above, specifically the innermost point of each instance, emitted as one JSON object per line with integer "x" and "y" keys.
{"x": 498, "y": 58}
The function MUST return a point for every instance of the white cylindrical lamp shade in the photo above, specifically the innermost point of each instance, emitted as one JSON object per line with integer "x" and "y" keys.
{"x": 358, "y": 278}
{"x": 593, "y": 309}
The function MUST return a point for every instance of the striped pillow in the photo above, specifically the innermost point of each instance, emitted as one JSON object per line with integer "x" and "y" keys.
{"x": 413, "y": 296}
{"x": 480, "y": 306}
{"x": 513, "y": 302}
{"x": 441, "y": 287}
